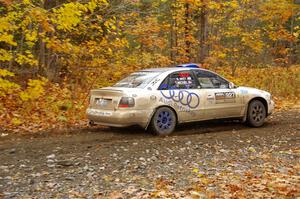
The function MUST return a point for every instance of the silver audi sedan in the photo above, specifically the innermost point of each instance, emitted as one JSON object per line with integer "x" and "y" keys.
{"x": 161, "y": 98}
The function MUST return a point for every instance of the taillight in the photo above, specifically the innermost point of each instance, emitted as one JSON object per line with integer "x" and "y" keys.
{"x": 126, "y": 102}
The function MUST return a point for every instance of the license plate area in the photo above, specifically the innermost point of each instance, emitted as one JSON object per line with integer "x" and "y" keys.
{"x": 100, "y": 113}
{"x": 103, "y": 103}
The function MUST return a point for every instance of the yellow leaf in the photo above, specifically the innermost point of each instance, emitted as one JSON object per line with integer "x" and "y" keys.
{"x": 16, "y": 121}
{"x": 26, "y": 2}
{"x": 251, "y": 149}
{"x": 5, "y": 73}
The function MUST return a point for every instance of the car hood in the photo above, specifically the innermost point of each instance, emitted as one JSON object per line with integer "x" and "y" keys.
{"x": 251, "y": 90}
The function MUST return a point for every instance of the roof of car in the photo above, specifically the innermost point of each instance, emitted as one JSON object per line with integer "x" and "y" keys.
{"x": 169, "y": 69}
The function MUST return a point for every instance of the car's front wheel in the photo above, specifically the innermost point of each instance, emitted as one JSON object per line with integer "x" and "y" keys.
{"x": 163, "y": 121}
{"x": 256, "y": 113}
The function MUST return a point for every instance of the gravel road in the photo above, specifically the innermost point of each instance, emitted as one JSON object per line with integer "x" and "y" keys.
{"x": 123, "y": 163}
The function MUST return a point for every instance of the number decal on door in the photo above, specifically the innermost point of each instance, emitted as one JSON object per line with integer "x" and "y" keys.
{"x": 225, "y": 97}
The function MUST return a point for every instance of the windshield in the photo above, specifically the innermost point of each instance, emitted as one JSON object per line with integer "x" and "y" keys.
{"x": 137, "y": 80}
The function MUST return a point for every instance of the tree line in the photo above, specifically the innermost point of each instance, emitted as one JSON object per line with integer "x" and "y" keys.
{"x": 78, "y": 39}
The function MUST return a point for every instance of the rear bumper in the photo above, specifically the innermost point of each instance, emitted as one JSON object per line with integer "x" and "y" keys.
{"x": 119, "y": 118}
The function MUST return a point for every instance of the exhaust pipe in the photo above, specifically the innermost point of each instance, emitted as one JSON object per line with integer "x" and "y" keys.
{"x": 91, "y": 123}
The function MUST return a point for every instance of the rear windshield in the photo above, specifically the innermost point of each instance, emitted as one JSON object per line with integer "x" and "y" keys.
{"x": 137, "y": 80}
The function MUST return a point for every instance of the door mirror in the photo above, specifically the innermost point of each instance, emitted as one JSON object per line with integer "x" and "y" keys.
{"x": 231, "y": 85}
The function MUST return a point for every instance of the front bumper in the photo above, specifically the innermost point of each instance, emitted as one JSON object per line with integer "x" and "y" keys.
{"x": 119, "y": 118}
{"x": 271, "y": 107}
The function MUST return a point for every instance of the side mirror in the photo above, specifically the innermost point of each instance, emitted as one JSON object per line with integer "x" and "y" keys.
{"x": 231, "y": 85}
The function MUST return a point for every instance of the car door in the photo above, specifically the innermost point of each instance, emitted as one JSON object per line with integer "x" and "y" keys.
{"x": 180, "y": 90}
{"x": 220, "y": 101}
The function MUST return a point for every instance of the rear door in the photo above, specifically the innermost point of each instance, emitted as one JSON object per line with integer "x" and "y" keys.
{"x": 219, "y": 100}
{"x": 180, "y": 90}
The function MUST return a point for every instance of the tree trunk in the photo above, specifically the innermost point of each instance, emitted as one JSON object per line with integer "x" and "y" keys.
{"x": 203, "y": 34}
{"x": 42, "y": 58}
{"x": 292, "y": 53}
{"x": 187, "y": 32}
{"x": 172, "y": 40}
{"x": 175, "y": 40}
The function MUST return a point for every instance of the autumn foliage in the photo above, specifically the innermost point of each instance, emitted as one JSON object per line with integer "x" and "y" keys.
{"x": 42, "y": 105}
{"x": 53, "y": 52}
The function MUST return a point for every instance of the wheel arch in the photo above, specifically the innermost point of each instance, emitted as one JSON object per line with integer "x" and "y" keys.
{"x": 262, "y": 100}
{"x": 155, "y": 109}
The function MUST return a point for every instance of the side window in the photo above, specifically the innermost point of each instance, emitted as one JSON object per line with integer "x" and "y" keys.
{"x": 210, "y": 80}
{"x": 179, "y": 80}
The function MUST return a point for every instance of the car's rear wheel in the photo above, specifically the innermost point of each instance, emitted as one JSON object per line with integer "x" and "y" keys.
{"x": 256, "y": 113}
{"x": 163, "y": 121}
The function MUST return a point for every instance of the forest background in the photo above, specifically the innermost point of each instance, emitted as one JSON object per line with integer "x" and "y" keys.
{"x": 52, "y": 52}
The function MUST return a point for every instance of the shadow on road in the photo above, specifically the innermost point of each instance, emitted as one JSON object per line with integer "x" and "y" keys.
{"x": 181, "y": 130}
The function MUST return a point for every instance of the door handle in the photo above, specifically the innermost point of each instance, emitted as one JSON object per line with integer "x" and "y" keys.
{"x": 210, "y": 97}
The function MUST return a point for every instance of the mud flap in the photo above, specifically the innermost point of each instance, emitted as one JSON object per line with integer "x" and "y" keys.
{"x": 149, "y": 120}
{"x": 245, "y": 114}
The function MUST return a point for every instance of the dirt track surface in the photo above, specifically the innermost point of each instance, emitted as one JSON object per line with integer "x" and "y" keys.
{"x": 95, "y": 162}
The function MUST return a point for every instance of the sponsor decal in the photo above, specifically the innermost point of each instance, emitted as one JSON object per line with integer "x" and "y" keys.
{"x": 152, "y": 97}
{"x": 225, "y": 97}
{"x": 183, "y": 81}
{"x": 174, "y": 105}
{"x": 99, "y": 113}
{"x": 184, "y": 75}
{"x": 244, "y": 91}
{"x": 155, "y": 81}
{"x": 182, "y": 97}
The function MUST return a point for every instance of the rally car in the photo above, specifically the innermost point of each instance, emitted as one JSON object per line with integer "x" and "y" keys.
{"x": 161, "y": 98}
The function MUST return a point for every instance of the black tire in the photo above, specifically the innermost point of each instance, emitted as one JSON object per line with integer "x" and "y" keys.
{"x": 256, "y": 113}
{"x": 163, "y": 121}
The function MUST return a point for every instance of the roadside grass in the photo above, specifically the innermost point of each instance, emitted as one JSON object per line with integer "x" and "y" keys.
{"x": 44, "y": 105}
